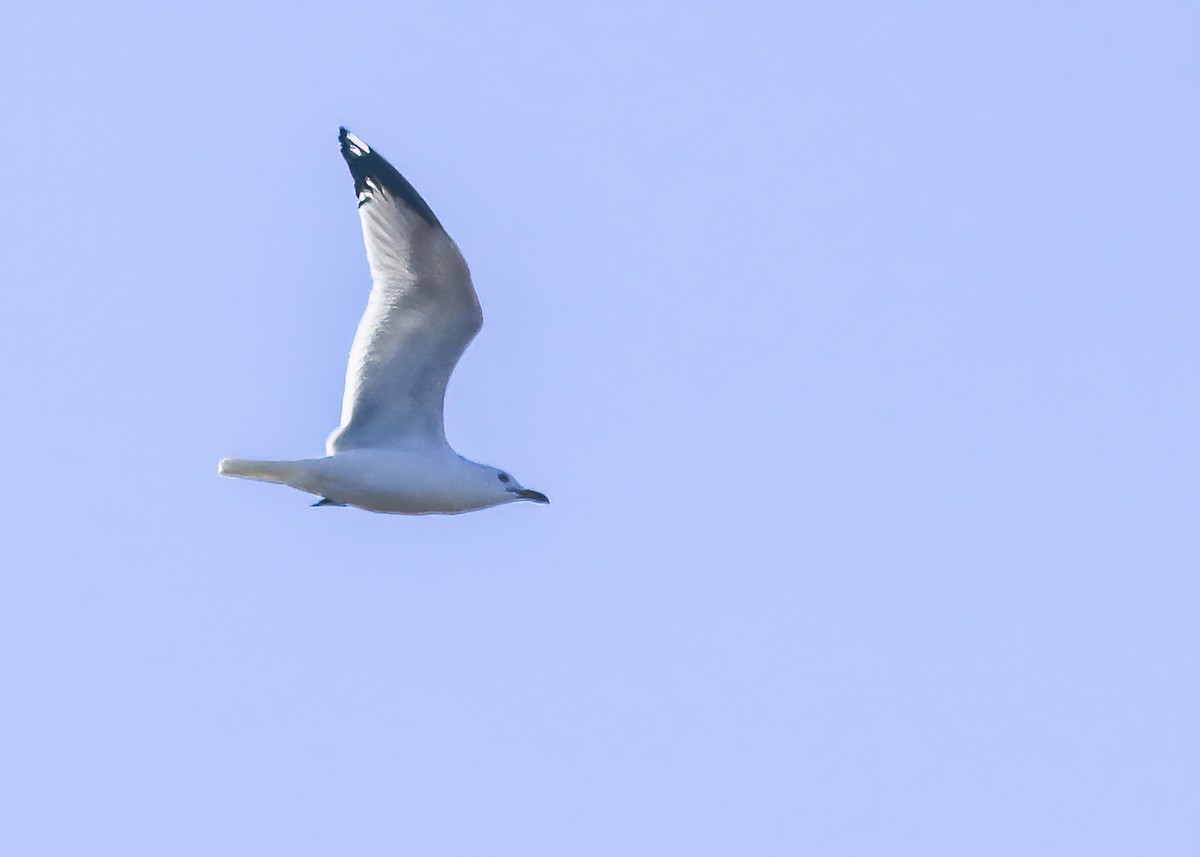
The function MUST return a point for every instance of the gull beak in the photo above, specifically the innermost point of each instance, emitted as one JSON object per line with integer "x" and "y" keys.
{"x": 529, "y": 494}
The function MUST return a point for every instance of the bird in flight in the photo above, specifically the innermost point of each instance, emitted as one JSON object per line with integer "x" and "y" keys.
{"x": 390, "y": 452}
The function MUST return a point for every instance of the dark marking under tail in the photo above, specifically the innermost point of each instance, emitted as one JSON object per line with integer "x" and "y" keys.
{"x": 365, "y": 163}
{"x": 325, "y": 501}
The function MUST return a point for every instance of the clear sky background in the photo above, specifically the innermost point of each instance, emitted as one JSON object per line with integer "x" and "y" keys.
{"x": 855, "y": 344}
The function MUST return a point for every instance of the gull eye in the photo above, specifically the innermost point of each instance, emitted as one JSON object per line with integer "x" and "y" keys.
{"x": 503, "y": 477}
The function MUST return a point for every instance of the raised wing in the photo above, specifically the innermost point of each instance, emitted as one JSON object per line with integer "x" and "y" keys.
{"x": 422, "y": 313}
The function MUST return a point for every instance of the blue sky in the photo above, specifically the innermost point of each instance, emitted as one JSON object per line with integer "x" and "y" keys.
{"x": 854, "y": 343}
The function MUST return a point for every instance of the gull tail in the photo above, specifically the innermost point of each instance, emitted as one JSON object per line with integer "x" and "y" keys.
{"x": 282, "y": 472}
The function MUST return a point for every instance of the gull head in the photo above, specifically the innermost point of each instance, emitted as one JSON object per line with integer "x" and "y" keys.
{"x": 508, "y": 489}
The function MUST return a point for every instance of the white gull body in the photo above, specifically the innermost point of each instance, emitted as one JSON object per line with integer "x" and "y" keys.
{"x": 390, "y": 452}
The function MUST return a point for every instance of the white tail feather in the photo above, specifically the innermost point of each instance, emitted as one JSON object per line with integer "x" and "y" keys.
{"x": 283, "y": 472}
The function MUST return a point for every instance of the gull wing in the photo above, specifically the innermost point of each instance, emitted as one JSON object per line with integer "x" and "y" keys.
{"x": 421, "y": 314}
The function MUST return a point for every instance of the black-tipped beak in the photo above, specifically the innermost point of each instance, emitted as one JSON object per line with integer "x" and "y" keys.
{"x": 535, "y": 496}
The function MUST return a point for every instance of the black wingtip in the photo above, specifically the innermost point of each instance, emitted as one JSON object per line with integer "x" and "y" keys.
{"x": 372, "y": 173}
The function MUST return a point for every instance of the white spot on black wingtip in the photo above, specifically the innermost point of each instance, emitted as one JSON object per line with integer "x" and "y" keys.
{"x": 357, "y": 146}
{"x": 373, "y": 174}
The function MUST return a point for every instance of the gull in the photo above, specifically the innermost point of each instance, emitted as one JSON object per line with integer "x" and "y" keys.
{"x": 390, "y": 453}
